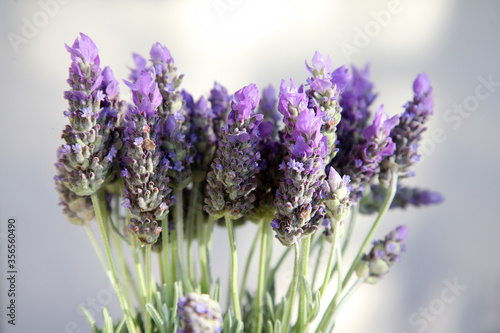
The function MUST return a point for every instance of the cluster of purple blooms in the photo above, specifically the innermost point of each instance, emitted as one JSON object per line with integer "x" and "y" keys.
{"x": 199, "y": 314}
{"x": 257, "y": 158}
{"x": 298, "y": 160}
{"x": 383, "y": 254}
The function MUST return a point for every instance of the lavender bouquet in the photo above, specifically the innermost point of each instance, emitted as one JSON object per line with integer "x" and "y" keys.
{"x": 160, "y": 172}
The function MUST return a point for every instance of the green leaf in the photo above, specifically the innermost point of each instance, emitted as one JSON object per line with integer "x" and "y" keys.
{"x": 120, "y": 326}
{"x": 108, "y": 322}
{"x": 269, "y": 307}
{"x": 90, "y": 319}
{"x": 156, "y": 317}
{"x": 215, "y": 291}
{"x": 307, "y": 288}
{"x": 278, "y": 328}
{"x": 269, "y": 327}
{"x": 314, "y": 306}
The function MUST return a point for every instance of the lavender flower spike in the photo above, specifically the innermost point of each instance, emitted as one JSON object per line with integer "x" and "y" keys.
{"x": 144, "y": 167}
{"x": 298, "y": 197}
{"x": 408, "y": 132}
{"x": 363, "y": 162}
{"x": 86, "y": 158}
{"x": 324, "y": 92}
{"x": 201, "y": 136}
{"x": 405, "y": 196}
{"x": 336, "y": 195}
{"x": 382, "y": 256}
{"x": 78, "y": 209}
{"x": 173, "y": 114}
{"x": 232, "y": 178}
{"x": 199, "y": 314}
{"x": 355, "y": 101}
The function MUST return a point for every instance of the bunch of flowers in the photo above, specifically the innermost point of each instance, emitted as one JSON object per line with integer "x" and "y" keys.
{"x": 157, "y": 172}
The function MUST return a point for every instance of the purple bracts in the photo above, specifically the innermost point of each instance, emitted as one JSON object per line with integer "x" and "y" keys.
{"x": 408, "y": 132}
{"x": 324, "y": 94}
{"x": 199, "y": 314}
{"x": 363, "y": 161}
{"x": 298, "y": 197}
{"x": 91, "y": 142}
{"x": 405, "y": 196}
{"x": 144, "y": 167}
{"x": 232, "y": 178}
{"x": 382, "y": 256}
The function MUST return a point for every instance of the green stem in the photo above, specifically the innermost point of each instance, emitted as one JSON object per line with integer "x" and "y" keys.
{"x": 328, "y": 271}
{"x": 352, "y": 221}
{"x": 304, "y": 261}
{"x": 202, "y": 249}
{"x": 271, "y": 275}
{"x": 179, "y": 232}
{"x": 328, "y": 320}
{"x": 138, "y": 269}
{"x": 96, "y": 247}
{"x": 149, "y": 292}
{"x": 288, "y": 313}
{"x": 262, "y": 271}
{"x": 387, "y": 203}
{"x": 247, "y": 266}
{"x": 114, "y": 276}
{"x": 234, "y": 269}
{"x": 191, "y": 225}
{"x": 164, "y": 255}
{"x": 338, "y": 264}
{"x": 316, "y": 266}
{"x": 350, "y": 229}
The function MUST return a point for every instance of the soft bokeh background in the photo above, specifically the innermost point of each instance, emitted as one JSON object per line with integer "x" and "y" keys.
{"x": 237, "y": 42}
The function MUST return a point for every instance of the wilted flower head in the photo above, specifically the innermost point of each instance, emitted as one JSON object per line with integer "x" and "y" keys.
{"x": 199, "y": 314}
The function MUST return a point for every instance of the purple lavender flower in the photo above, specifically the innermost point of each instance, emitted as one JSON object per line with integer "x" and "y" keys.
{"x": 298, "y": 197}
{"x": 144, "y": 167}
{"x": 91, "y": 133}
{"x": 220, "y": 102}
{"x": 408, "y": 132}
{"x": 324, "y": 92}
{"x": 355, "y": 101}
{"x": 363, "y": 161}
{"x": 140, "y": 65}
{"x": 382, "y": 256}
{"x": 172, "y": 114}
{"x": 230, "y": 186}
{"x": 78, "y": 209}
{"x": 201, "y": 136}
{"x": 199, "y": 314}
{"x": 272, "y": 153}
{"x": 405, "y": 196}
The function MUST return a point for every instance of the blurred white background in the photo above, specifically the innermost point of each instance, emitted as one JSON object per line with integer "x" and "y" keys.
{"x": 237, "y": 42}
